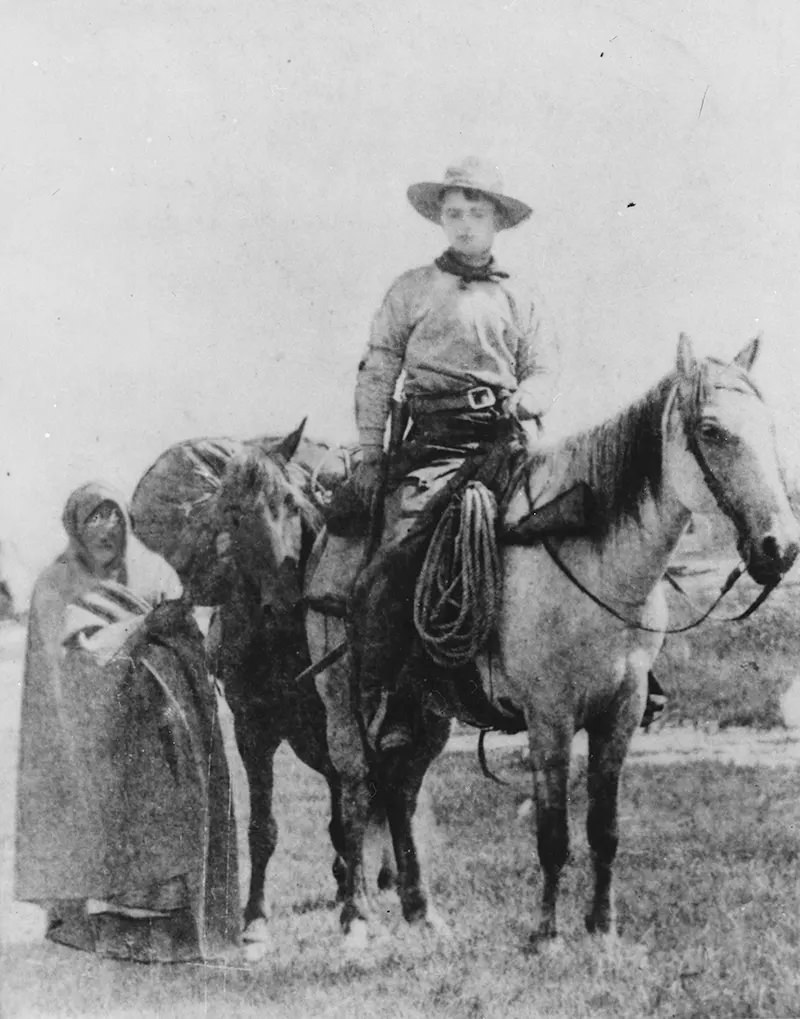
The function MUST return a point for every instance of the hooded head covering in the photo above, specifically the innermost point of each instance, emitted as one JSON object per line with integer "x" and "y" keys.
{"x": 81, "y": 504}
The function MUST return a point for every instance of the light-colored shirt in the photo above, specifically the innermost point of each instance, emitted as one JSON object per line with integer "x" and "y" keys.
{"x": 449, "y": 337}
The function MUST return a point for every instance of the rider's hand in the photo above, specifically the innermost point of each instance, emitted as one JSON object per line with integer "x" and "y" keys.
{"x": 366, "y": 478}
{"x": 223, "y": 543}
{"x": 522, "y": 406}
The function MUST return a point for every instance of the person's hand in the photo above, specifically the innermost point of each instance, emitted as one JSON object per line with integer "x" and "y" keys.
{"x": 223, "y": 543}
{"x": 521, "y": 406}
{"x": 366, "y": 480}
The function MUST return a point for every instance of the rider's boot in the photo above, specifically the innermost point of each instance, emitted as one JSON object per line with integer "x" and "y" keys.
{"x": 383, "y": 630}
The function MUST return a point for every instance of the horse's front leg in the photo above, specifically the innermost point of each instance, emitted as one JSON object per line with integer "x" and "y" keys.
{"x": 608, "y": 746}
{"x": 549, "y": 758}
{"x": 257, "y": 748}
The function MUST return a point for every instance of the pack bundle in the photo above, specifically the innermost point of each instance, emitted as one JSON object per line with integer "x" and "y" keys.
{"x": 175, "y": 504}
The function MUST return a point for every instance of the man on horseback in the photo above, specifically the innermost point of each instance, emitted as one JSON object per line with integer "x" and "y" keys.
{"x": 477, "y": 356}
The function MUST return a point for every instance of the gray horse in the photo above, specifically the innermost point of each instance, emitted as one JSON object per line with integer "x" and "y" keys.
{"x": 583, "y": 618}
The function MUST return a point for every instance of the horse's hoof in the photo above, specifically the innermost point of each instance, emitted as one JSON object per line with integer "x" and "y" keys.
{"x": 356, "y": 938}
{"x": 545, "y": 942}
{"x": 435, "y": 923}
{"x": 545, "y": 935}
{"x": 430, "y": 921}
{"x": 254, "y": 951}
{"x": 602, "y": 924}
{"x": 256, "y": 931}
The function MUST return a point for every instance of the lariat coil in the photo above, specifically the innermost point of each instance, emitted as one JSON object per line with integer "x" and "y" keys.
{"x": 457, "y": 595}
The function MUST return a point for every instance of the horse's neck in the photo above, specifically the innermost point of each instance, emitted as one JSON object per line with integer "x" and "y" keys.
{"x": 636, "y": 553}
{"x": 242, "y": 610}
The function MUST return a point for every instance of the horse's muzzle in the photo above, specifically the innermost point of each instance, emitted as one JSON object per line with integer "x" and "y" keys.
{"x": 769, "y": 559}
{"x": 284, "y": 590}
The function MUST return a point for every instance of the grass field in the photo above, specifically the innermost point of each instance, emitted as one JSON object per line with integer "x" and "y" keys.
{"x": 708, "y": 882}
{"x": 708, "y": 899}
{"x": 730, "y": 673}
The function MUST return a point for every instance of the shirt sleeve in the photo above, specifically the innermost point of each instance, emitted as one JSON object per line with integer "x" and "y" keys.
{"x": 538, "y": 361}
{"x": 381, "y": 366}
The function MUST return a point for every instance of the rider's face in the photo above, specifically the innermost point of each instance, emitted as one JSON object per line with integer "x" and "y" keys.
{"x": 104, "y": 534}
{"x": 469, "y": 224}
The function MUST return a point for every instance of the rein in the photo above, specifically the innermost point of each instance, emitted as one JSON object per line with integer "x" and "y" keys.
{"x": 733, "y": 576}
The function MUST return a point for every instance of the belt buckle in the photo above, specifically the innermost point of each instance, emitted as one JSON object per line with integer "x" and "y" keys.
{"x": 481, "y": 397}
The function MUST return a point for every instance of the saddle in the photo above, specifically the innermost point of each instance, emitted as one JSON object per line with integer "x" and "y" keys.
{"x": 339, "y": 552}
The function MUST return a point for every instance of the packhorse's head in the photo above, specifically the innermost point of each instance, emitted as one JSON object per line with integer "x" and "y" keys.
{"x": 721, "y": 451}
{"x": 268, "y": 519}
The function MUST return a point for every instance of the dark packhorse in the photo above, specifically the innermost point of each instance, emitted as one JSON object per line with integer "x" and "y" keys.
{"x": 269, "y": 519}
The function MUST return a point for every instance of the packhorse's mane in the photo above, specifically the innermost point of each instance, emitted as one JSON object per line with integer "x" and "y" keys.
{"x": 621, "y": 458}
{"x": 254, "y": 472}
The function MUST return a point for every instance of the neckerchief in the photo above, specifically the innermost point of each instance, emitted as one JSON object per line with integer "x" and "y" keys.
{"x": 489, "y": 273}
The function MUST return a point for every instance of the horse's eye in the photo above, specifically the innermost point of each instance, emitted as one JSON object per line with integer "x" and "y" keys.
{"x": 710, "y": 432}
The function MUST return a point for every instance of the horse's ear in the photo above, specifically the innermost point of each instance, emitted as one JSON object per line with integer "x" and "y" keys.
{"x": 287, "y": 447}
{"x": 747, "y": 355}
{"x": 686, "y": 362}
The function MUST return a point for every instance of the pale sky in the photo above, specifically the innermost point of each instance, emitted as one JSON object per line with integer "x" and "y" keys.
{"x": 203, "y": 205}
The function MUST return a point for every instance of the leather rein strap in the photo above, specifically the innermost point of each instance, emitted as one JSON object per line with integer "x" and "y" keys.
{"x": 734, "y": 575}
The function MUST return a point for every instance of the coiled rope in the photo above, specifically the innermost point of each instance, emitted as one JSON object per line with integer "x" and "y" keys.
{"x": 458, "y": 591}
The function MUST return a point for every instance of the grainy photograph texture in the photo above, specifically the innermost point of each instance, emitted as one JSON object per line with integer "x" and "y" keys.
{"x": 399, "y": 509}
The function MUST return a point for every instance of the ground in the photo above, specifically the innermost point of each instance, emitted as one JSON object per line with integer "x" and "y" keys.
{"x": 708, "y": 894}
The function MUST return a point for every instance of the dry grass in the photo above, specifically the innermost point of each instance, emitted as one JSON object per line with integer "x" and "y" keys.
{"x": 708, "y": 891}
{"x": 708, "y": 900}
{"x": 729, "y": 673}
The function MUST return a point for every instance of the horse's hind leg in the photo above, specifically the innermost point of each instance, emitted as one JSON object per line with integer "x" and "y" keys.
{"x": 401, "y": 780}
{"x": 336, "y": 832}
{"x": 346, "y": 752}
{"x": 355, "y": 812}
{"x": 387, "y": 875}
{"x": 307, "y": 737}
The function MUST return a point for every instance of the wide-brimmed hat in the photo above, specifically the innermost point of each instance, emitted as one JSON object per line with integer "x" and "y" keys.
{"x": 474, "y": 174}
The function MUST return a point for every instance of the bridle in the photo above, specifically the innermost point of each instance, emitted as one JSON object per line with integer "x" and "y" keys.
{"x": 715, "y": 487}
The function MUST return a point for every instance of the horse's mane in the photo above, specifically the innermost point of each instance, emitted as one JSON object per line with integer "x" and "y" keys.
{"x": 621, "y": 458}
{"x": 255, "y": 471}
